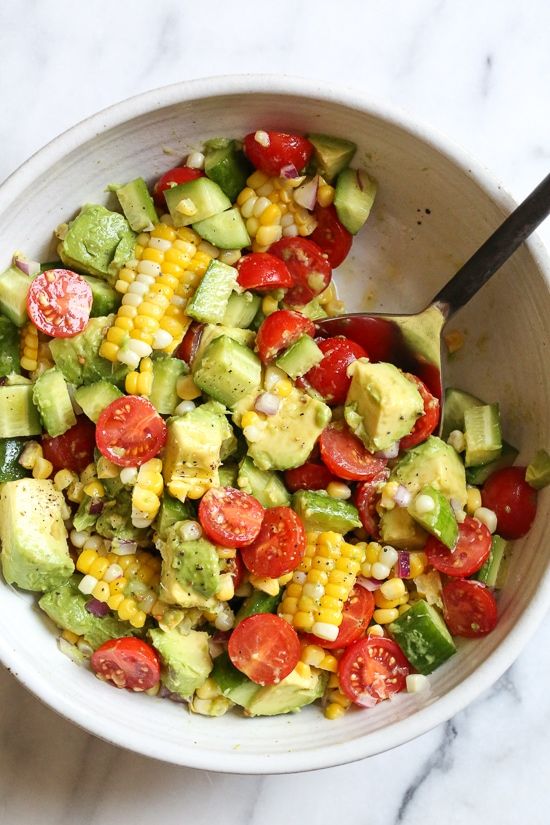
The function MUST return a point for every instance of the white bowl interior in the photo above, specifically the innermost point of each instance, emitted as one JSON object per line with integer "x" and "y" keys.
{"x": 431, "y": 213}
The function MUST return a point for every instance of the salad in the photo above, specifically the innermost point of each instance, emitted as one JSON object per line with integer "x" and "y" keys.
{"x": 215, "y": 503}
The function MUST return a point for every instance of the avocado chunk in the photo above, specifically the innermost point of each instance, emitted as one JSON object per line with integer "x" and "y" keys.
{"x": 9, "y": 347}
{"x": 227, "y": 371}
{"x": 227, "y": 166}
{"x": 195, "y": 200}
{"x": 300, "y": 357}
{"x": 423, "y": 637}
{"x": 209, "y": 302}
{"x": 353, "y": 198}
{"x": 193, "y": 449}
{"x": 137, "y": 205}
{"x": 98, "y": 241}
{"x": 228, "y": 475}
{"x": 51, "y": 396}
{"x": 495, "y": 570}
{"x": 35, "y": 553}
{"x": 332, "y": 154}
{"x": 313, "y": 310}
{"x": 93, "y": 398}
{"x": 84, "y": 519}
{"x": 14, "y": 287}
{"x": 78, "y": 357}
{"x": 186, "y": 661}
{"x": 233, "y": 684}
{"x": 290, "y": 694}
{"x": 479, "y": 475}
{"x": 440, "y": 520}
{"x": 226, "y": 230}
{"x": 537, "y": 474}
{"x": 183, "y": 582}
{"x": 382, "y": 405}
{"x": 456, "y": 404}
{"x": 66, "y": 607}
{"x": 10, "y": 451}
{"x": 319, "y": 512}
{"x": 286, "y": 439}
{"x": 18, "y": 414}
{"x": 241, "y": 309}
{"x": 264, "y": 485}
{"x": 210, "y": 332}
{"x": 115, "y": 520}
{"x": 164, "y": 396}
{"x": 433, "y": 463}
{"x": 105, "y": 299}
{"x": 171, "y": 511}
{"x": 483, "y": 434}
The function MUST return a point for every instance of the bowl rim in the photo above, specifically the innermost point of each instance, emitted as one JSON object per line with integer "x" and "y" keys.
{"x": 499, "y": 660}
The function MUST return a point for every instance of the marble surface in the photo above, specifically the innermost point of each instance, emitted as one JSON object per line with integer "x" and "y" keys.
{"x": 475, "y": 70}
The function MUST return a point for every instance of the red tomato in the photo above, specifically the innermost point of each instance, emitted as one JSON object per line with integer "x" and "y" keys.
{"x": 265, "y": 648}
{"x": 191, "y": 340}
{"x": 308, "y": 265}
{"x": 230, "y": 517}
{"x": 283, "y": 150}
{"x": 372, "y": 669}
{"x": 279, "y": 331}
{"x": 309, "y": 476}
{"x": 279, "y": 546}
{"x": 127, "y": 663}
{"x": 263, "y": 272}
{"x": 469, "y": 608}
{"x": 59, "y": 302}
{"x": 513, "y": 500}
{"x": 428, "y": 421}
{"x": 470, "y": 554}
{"x": 329, "y": 377}
{"x": 333, "y": 238}
{"x": 358, "y": 612}
{"x": 74, "y": 449}
{"x": 366, "y": 497}
{"x": 130, "y": 431}
{"x": 180, "y": 174}
{"x": 346, "y": 456}
{"x": 237, "y": 570}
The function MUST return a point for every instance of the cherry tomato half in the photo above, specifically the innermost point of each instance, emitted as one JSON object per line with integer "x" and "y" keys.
{"x": 265, "y": 648}
{"x": 59, "y": 302}
{"x": 346, "y": 456}
{"x": 366, "y": 497}
{"x": 357, "y": 614}
{"x": 127, "y": 663}
{"x": 426, "y": 424}
{"x": 279, "y": 331}
{"x": 470, "y": 554}
{"x": 130, "y": 431}
{"x": 191, "y": 340}
{"x": 310, "y": 476}
{"x": 283, "y": 150}
{"x": 279, "y": 546}
{"x": 372, "y": 669}
{"x": 308, "y": 265}
{"x": 330, "y": 377}
{"x": 469, "y": 608}
{"x": 331, "y": 236}
{"x": 263, "y": 272}
{"x": 237, "y": 570}
{"x": 230, "y": 517}
{"x": 513, "y": 500}
{"x": 180, "y": 174}
{"x": 74, "y": 449}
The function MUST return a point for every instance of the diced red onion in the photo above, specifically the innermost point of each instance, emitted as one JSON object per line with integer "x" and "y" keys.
{"x": 306, "y": 194}
{"x": 402, "y": 496}
{"x": 403, "y": 568}
{"x": 369, "y": 584}
{"x": 267, "y": 403}
{"x": 164, "y": 693}
{"x": 366, "y": 700}
{"x": 456, "y": 505}
{"x": 31, "y": 268}
{"x": 391, "y": 452}
{"x": 96, "y": 507}
{"x": 288, "y": 171}
{"x": 97, "y": 608}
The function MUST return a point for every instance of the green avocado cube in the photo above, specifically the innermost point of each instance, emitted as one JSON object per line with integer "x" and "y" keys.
{"x": 98, "y": 241}
{"x": 423, "y": 637}
{"x": 332, "y": 154}
{"x": 290, "y": 694}
{"x": 186, "y": 660}
{"x": 353, "y": 198}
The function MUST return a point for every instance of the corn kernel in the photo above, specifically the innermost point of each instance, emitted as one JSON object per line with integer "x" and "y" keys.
{"x": 339, "y": 490}
{"x": 186, "y": 388}
{"x": 393, "y": 588}
{"x": 418, "y": 563}
{"x": 382, "y": 602}
{"x": 375, "y": 630}
{"x": 283, "y": 388}
{"x": 325, "y": 195}
{"x": 269, "y": 305}
{"x": 473, "y": 501}
{"x": 115, "y": 600}
{"x": 101, "y": 591}
{"x": 70, "y": 637}
{"x": 137, "y": 619}
{"x": 94, "y": 489}
{"x": 383, "y": 616}
{"x": 334, "y": 711}
{"x": 98, "y": 567}
{"x": 42, "y": 468}
{"x": 127, "y": 608}
{"x": 85, "y": 560}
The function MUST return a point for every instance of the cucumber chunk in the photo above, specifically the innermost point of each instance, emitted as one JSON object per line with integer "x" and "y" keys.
{"x": 483, "y": 434}
{"x": 228, "y": 474}
{"x": 423, "y": 637}
{"x": 226, "y": 230}
{"x": 258, "y": 602}
{"x": 164, "y": 396}
{"x": 440, "y": 521}
{"x": 51, "y": 396}
{"x": 494, "y": 571}
{"x": 353, "y": 199}
{"x": 10, "y": 468}
{"x": 209, "y": 302}
{"x": 241, "y": 309}
{"x": 227, "y": 166}
{"x": 137, "y": 205}
{"x": 456, "y": 404}
{"x": 319, "y": 511}
{"x": 227, "y": 371}
{"x": 300, "y": 357}
{"x": 538, "y": 471}
{"x": 18, "y": 414}
{"x": 9, "y": 347}
{"x": 14, "y": 286}
{"x": 93, "y": 398}
{"x": 264, "y": 485}
{"x": 478, "y": 475}
{"x": 201, "y": 197}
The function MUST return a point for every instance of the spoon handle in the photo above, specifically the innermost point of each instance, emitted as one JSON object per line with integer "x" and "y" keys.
{"x": 496, "y": 250}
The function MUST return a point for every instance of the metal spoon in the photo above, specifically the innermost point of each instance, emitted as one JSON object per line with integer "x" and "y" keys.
{"x": 413, "y": 342}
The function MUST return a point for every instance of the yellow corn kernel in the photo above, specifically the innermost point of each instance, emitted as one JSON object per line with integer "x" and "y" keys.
{"x": 30, "y": 454}
{"x": 383, "y": 616}
{"x": 339, "y": 698}
{"x": 382, "y": 602}
{"x": 313, "y": 655}
{"x": 339, "y": 490}
{"x": 131, "y": 383}
{"x": 329, "y": 663}
{"x": 226, "y": 552}
{"x": 42, "y": 468}
{"x": 454, "y": 340}
{"x": 101, "y": 592}
{"x": 266, "y": 585}
{"x": 138, "y": 618}
{"x": 334, "y": 711}
{"x": 267, "y": 235}
{"x": 271, "y": 215}
{"x": 303, "y": 670}
{"x": 393, "y": 588}
{"x": 403, "y": 608}
{"x": 325, "y": 194}
{"x": 269, "y": 305}
{"x": 29, "y": 364}
{"x": 115, "y": 600}
{"x": 144, "y": 500}
{"x": 283, "y": 388}
{"x": 63, "y": 479}
{"x": 373, "y": 551}
{"x": 167, "y": 233}
{"x": 98, "y": 567}
{"x": 226, "y": 591}
{"x": 473, "y": 502}
{"x": 302, "y": 620}
{"x": 244, "y": 195}
{"x": 118, "y": 585}
{"x": 94, "y": 489}
{"x": 85, "y": 560}
{"x": 257, "y": 179}
{"x": 70, "y": 637}
{"x": 375, "y": 630}
{"x": 127, "y": 608}
{"x": 250, "y": 419}
{"x": 108, "y": 350}
{"x": 418, "y": 563}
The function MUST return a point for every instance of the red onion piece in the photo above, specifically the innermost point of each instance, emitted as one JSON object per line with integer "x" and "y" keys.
{"x": 369, "y": 584}
{"x": 402, "y": 496}
{"x": 366, "y": 700}
{"x": 391, "y": 452}
{"x": 306, "y": 194}
{"x": 96, "y": 507}
{"x": 267, "y": 403}
{"x": 31, "y": 268}
{"x": 97, "y": 608}
{"x": 403, "y": 568}
{"x": 289, "y": 171}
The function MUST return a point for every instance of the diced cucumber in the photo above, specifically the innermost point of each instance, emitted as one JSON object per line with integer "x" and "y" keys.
{"x": 227, "y": 371}
{"x": 494, "y": 571}
{"x": 258, "y": 602}
{"x": 456, "y": 403}
{"x": 354, "y": 197}
{"x": 332, "y": 154}
{"x": 232, "y": 683}
{"x": 51, "y": 396}
{"x": 9, "y": 347}
{"x": 319, "y": 511}
{"x": 241, "y": 309}
{"x": 14, "y": 286}
{"x": 478, "y": 475}
{"x": 171, "y": 511}
{"x": 202, "y": 197}
{"x": 314, "y": 311}
{"x": 228, "y": 475}
{"x": 226, "y": 230}
{"x": 209, "y": 302}
{"x": 264, "y": 485}
{"x": 538, "y": 471}
{"x": 212, "y": 331}
{"x": 10, "y": 468}
{"x": 300, "y": 357}
{"x": 227, "y": 165}
{"x": 483, "y": 434}
{"x": 137, "y": 205}
{"x": 18, "y": 414}
{"x": 164, "y": 396}
{"x": 93, "y": 398}
{"x": 423, "y": 637}
{"x": 440, "y": 521}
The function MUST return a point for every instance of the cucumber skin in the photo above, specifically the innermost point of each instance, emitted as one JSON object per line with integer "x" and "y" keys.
{"x": 9, "y": 347}
{"x": 424, "y": 644}
{"x": 258, "y": 602}
{"x": 10, "y": 468}
{"x": 478, "y": 475}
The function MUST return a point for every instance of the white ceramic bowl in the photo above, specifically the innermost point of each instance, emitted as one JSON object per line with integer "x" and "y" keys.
{"x": 434, "y": 207}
